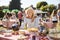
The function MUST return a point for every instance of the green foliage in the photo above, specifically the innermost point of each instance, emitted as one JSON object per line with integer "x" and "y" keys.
{"x": 1, "y": 11}
{"x": 5, "y": 7}
{"x": 5, "y": 10}
{"x": 14, "y": 4}
{"x": 0, "y": 8}
{"x": 39, "y": 4}
{"x": 15, "y": 10}
{"x": 1, "y": 14}
{"x": 51, "y": 7}
{"x": 44, "y": 8}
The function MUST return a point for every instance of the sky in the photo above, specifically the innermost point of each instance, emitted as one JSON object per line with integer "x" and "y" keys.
{"x": 27, "y": 3}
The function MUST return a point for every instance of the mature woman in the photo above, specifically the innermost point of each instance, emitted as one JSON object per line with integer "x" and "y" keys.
{"x": 30, "y": 19}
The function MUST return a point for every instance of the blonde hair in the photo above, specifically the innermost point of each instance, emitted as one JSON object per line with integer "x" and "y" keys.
{"x": 30, "y": 10}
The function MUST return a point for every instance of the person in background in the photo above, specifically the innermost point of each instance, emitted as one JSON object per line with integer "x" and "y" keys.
{"x": 30, "y": 18}
{"x": 54, "y": 18}
{"x": 48, "y": 17}
{"x": 38, "y": 21}
{"x": 20, "y": 17}
{"x": 13, "y": 15}
{"x": 23, "y": 13}
{"x": 48, "y": 14}
{"x": 58, "y": 13}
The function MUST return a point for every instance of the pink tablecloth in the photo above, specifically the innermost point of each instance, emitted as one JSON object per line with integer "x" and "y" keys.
{"x": 16, "y": 37}
{"x": 12, "y": 37}
{"x": 3, "y": 38}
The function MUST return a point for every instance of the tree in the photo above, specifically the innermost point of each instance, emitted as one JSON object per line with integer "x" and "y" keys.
{"x": 44, "y": 8}
{"x": 39, "y": 4}
{"x": 52, "y": 7}
{"x": 49, "y": 8}
{"x": 15, "y": 4}
{"x": 5, "y": 7}
{"x": 0, "y": 8}
{"x": 1, "y": 13}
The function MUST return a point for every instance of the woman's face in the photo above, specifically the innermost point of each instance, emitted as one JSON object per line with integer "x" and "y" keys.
{"x": 29, "y": 14}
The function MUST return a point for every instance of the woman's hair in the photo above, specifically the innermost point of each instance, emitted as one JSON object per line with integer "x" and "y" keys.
{"x": 30, "y": 10}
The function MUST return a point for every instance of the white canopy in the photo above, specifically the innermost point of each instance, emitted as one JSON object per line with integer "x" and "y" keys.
{"x": 39, "y": 11}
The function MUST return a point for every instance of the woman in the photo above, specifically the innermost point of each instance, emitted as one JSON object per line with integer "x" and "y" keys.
{"x": 20, "y": 17}
{"x": 54, "y": 18}
{"x": 30, "y": 20}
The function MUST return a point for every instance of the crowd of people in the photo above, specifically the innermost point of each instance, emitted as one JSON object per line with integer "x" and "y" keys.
{"x": 30, "y": 19}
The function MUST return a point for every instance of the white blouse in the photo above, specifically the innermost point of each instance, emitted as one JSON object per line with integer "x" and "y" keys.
{"x": 54, "y": 18}
{"x": 30, "y": 24}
